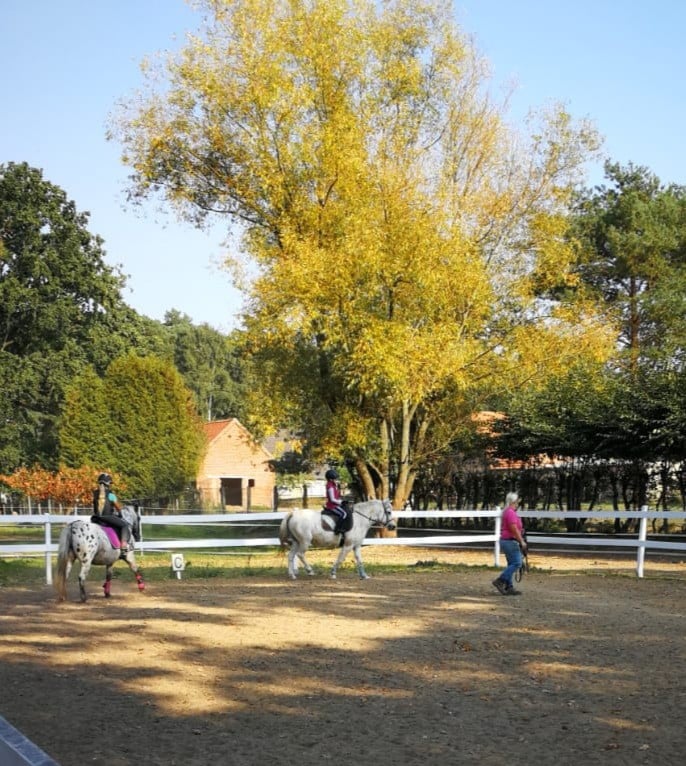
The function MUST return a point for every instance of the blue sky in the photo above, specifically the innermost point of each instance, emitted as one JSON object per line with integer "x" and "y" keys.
{"x": 65, "y": 64}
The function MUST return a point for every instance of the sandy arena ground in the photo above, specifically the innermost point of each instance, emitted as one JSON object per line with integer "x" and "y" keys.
{"x": 414, "y": 668}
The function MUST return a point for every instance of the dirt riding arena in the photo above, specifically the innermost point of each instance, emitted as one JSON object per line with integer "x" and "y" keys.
{"x": 419, "y": 667}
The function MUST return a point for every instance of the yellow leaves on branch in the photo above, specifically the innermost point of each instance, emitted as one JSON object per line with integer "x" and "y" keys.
{"x": 391, "y": 361}
{"x": 552, "y": 254}
{"x": 571, "y": 336}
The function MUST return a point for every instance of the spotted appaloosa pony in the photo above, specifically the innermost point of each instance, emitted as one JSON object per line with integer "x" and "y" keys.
{"x": 91, "y": 544}
{"x": 304, "y": 528}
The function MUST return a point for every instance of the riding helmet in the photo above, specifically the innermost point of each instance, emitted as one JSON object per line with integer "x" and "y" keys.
{"x": 331, "y": 475}
{"x": 105, "y": 478}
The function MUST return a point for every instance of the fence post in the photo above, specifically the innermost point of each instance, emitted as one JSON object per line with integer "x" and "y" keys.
{"x": 48, "y": 555}
{"x": 498, "y": 526}
{"x": 642, "y": 536}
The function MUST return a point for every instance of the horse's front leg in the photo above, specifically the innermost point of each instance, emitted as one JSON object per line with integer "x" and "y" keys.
{"x": 131, "y": 561}
{"x": 305, "y": 563}
{"x": 357, "y": 552}
{"x": 345, "y": 550}
{"x": 107, "y": 585}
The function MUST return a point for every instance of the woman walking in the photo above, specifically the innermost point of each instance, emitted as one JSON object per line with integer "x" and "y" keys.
{"x": 513, "y": 545}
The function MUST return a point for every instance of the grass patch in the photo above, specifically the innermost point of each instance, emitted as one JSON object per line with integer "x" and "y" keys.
{"x": 15, "y": 572}
{"x": 156, "y": 567}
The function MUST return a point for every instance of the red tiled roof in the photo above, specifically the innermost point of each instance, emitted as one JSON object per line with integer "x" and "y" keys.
{"x": 215, "y": 427}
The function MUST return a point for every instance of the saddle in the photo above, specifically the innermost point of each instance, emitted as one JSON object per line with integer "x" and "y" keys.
{"x": 341, "y": 525}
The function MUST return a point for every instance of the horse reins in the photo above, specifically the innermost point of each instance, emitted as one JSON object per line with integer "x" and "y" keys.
{"x": 373, "y": 522}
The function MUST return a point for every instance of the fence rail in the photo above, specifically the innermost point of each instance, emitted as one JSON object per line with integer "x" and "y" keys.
{"x": 639, "y": 542}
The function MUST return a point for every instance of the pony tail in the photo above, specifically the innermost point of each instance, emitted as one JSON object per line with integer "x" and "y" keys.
{"x": 285, "y": 532}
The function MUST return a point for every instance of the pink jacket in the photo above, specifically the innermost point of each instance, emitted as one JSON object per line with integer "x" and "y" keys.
{"x": 510, "y": 517}
{"x": 333, "y": 496}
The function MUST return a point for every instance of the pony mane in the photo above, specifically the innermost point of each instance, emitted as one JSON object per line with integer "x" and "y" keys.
{"x": 132, "y": 516}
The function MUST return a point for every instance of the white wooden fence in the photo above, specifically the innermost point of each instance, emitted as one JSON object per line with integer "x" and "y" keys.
{"x": 639, "y": 542}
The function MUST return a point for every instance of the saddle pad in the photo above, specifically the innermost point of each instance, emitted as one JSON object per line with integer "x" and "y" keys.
{"x": 328, "y": 521}
{"x": 112, "y": 535}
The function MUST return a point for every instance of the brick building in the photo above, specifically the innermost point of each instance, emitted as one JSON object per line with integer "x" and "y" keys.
{"x": 235, "y": 473}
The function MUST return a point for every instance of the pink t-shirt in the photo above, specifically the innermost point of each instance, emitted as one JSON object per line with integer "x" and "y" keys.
{"x": 509, "y": 518}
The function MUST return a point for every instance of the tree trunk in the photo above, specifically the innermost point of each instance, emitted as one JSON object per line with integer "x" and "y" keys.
{"x": 365, "y": 475}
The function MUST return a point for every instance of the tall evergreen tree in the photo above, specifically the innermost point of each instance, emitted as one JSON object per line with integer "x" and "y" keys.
{"x": 138, "y": 420}
{"x": 632, "y": 237}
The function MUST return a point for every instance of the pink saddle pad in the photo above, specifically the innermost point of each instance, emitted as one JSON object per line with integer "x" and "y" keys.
{"x": 112, "y": 534}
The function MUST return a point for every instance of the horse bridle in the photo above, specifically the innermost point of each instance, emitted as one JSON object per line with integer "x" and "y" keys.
{"x": 387, "y": 516}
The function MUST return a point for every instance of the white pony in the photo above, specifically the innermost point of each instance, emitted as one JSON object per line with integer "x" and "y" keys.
{"x": 90, "y": 544}
{"x": 302, "y": 529}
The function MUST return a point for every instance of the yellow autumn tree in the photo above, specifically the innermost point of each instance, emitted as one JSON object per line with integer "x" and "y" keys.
{"x": 403, "y": 241}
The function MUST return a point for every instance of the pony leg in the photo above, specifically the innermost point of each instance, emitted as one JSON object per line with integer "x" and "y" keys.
{"x": 107, "y": 585}
{"x": 341, "y": 558}
{"x": 357, "y": 552}
{"x": 306, "y": 564}
{"x": 131, "y": 561}
{"x": 292, "y": 563}
{"x": 83, "y": 574}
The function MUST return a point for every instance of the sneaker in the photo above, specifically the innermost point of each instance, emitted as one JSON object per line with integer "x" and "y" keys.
{"x": 500, "y": 585}
{"x": 512, "y": 592}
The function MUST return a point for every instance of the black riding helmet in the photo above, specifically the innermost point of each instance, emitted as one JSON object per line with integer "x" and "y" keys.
{"x": 331, "y": 475}
{"x": 105, "y": 479}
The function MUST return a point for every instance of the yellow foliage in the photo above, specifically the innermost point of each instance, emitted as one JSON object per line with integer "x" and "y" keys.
{"x": 399, "y": 231}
